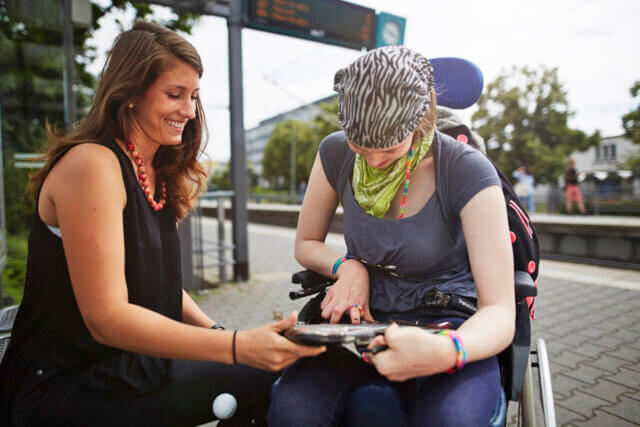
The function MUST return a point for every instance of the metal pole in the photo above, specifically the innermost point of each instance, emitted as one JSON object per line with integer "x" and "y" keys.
{"x": 292, "y": 185}
{"x": 186, "y": 252}
{"x": 3, "y": 228}
{"x": 240, "y": 216}
{"x": 70, "y": 113}
{"x": 222, "y": 269}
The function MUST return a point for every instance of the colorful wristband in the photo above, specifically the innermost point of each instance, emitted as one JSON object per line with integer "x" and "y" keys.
{"x": 336, "y": 264}
{"x": 461, "y": 352}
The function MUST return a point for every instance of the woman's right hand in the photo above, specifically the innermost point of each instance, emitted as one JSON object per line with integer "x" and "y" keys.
{"x": 351, "y": 287}
{"x": 265, "y": 348}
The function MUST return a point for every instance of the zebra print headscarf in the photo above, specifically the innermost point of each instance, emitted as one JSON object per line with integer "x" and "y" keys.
{"x": 383, "y": 96}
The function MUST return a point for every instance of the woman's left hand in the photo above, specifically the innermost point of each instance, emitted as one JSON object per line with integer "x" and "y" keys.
{"x": 412, "y": 352}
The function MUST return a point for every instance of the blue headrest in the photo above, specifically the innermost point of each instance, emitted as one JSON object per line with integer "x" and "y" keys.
{"x": 458, "y": 82}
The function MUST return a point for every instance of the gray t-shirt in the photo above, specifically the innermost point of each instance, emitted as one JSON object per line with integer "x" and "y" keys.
{"x": 427, "y": 248}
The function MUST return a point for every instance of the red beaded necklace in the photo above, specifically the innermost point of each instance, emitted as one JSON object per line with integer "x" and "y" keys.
{"x": 144, "y": 182}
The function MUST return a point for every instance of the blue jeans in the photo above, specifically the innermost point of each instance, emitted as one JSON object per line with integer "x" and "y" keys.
{"x": 317, "y": 392}
{"x": 528, "y": 203}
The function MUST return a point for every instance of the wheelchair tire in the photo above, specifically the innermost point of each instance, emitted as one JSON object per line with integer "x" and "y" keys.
{"x": 527, "y": 402}
{"x": 536, "y": 406}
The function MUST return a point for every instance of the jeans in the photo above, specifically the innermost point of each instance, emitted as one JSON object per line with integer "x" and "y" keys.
{"x": 528, "y": 203}
{"x": 320, "y": 391}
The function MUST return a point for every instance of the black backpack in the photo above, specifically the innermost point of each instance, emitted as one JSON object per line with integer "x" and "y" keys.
{"x": 526, "y": 251}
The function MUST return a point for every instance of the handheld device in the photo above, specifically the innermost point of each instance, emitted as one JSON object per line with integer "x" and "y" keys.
{"x": 354, "y": 338}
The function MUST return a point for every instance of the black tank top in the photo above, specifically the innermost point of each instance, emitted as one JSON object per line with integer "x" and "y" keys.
{"x": 49, "y": 329}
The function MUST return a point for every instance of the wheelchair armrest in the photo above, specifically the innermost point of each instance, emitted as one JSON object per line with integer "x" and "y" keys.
{"x": 309, "y": 279}
{"x": 525, "y": 287}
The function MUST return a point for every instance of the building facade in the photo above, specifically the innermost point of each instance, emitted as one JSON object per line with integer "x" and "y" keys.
{"x": 257, "y": 137}
{"x": 602, "y": 170}
{"x": 609, "y": 156}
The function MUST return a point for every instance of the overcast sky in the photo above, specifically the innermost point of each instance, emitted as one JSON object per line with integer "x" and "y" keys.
{"x": 590, "y": 41}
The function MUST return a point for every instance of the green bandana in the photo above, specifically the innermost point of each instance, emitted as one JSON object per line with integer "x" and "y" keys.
{"x": 375, "y": 188}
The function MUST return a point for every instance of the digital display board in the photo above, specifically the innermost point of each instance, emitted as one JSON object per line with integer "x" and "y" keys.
{"x": 328, "y": 21}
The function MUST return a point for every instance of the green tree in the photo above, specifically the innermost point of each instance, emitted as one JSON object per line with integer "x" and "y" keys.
{"x": 276, "y": 163}
{"x": 326, "y": 121}
{"x": 31, "y": 93}
{"x": 523, "y": 116}
{"x": 631, "y": 121}
{"x": 633, "y": 163}
{"x": 31, "y": 87}
{"x": 221, "y": 178}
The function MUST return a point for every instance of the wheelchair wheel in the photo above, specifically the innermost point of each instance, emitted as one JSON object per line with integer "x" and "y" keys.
{"x": 527, "y": 409}
{"x": 544, "y": 378}
{"x": 537, "y": 408}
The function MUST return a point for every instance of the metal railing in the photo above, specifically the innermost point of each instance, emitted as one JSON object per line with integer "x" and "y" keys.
{"x": 211, "y": 253}
{"x": 288, "y": 199}
{"x": 599, "y": 200}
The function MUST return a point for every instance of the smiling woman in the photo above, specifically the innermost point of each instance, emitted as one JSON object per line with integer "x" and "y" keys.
{"x": 105, "y": 335}
{"x": 168, "y": 104}
{"x": 148, "y": 96}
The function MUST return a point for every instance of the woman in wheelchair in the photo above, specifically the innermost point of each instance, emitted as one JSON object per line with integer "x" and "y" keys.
{"x": 105, "y": 334}
{"x": 424, "y": 222}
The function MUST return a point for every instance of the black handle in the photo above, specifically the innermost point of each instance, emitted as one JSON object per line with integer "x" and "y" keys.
{"x": 309, "y": 279}
{"x": 377, "y": 349}
{"x": 308, "y": 291}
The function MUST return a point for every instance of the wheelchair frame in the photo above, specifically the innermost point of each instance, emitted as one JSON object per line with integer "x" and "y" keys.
{"x": 515, "y": 361}
{"x": 7, "y": 317}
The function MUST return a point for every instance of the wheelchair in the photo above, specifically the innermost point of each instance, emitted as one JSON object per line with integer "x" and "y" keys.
{"x": 516, "y": 361}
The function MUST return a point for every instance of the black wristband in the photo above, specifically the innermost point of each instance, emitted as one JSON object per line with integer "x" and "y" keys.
{"x": 233, "y": 347}
{"x": 217, "y": 327}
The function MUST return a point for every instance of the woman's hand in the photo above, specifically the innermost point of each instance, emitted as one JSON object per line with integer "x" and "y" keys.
{"x": 352, "y": 287}
{"x": 265, "y": 347}
{"x": 412, "y": 352}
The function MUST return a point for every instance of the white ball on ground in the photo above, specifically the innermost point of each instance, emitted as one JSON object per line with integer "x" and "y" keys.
{"x": 224, "y": 406}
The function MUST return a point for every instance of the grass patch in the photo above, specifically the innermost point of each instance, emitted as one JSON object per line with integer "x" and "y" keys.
{"x": 16, "y": 268}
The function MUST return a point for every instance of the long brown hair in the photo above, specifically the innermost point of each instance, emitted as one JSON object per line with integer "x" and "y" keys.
{"x": 137, "y": 59}
{"x": 428, "y": 122}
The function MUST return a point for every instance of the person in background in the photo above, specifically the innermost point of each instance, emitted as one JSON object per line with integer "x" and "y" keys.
{"x": 105, "y": 334}
{"x": 302, "y": 189}
{"x": 572, "y": 193}
{"x": 525, "y": 187}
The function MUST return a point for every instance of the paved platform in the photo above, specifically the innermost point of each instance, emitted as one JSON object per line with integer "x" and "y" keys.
{"x": 588, "y": 316}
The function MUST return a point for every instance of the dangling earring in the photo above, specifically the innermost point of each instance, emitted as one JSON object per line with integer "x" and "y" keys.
{"x": 130, "y": 104}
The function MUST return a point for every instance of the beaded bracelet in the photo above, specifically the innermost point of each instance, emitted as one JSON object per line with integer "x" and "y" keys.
{"x": 336, "y": 264}
{"x": 461, "y": 352}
